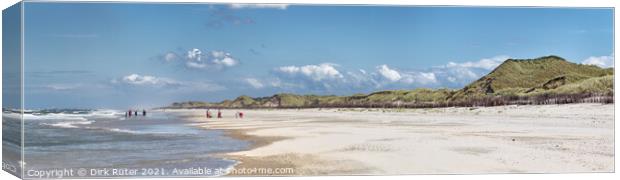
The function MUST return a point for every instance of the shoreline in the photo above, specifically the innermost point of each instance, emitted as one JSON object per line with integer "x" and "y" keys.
{"x": 250, "y": 166}
{"x": 363, "y": 141}
{"x": 244, "y": 162}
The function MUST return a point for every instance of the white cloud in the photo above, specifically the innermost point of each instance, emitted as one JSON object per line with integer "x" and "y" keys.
{"x": 219, "y": 54}
{"x": 62, "y": 87}
{"x": 361, "y": 78}
{"x": 324, "y": 71}
{"x": 167, "y": 84}
{"x": 407, "y": 78}
{"x": 486, "y": 63}
{"x": 170, "y": 57}
{"x": 451, "y": 79}
{"x": 271, "y": 6}
{"x": 289, "y": 69}
{"x": 254, "y": 83}
{"x": 452, "y": 74}
{"x": 456, "y": 75}
{"x": 199, "y": 59}
{"x": 194, "y": 55}
{"x": 136, "y": 79}
{"x": 460, "y": 74}
{"x": 214, "y": 59}
{"x": 226, "y": 61}
{"x": 425, "y": 78}
{"x": 195, "y": 65}
{"x": 601, "y": 61}
{"x": 389, "y": 74}
{"x": 327, "y": 77}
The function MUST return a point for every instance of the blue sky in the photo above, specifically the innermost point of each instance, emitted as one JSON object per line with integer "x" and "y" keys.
{"x": 108, "y": 55}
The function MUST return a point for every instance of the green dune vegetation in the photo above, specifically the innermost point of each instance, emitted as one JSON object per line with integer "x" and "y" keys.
{"x": 533, "y": 77}
{"x": 544, "y": 80}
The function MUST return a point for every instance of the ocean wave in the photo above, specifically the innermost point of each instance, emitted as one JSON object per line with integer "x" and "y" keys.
{"x": 69, "y": 124}
{"x": 60, "y": 116}
{"x": 107, "y": 113}
{"x": 72, "y": 114}
{"x": 88, "y": 120}
{"x": 122, "y": 130}
{"x": 135, "y": 132}
{"x": 83, "y": 125}
{"x": 70, "y": 118}
{"x": 11, "y": 116}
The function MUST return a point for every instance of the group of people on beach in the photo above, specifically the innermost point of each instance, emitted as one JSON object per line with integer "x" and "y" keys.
{"x": 238, "y": 114}
{"x": 134, "y": 113}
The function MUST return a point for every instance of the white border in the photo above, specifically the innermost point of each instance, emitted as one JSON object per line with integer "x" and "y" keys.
{"x": 554, "y": 3}
{"x": 523, "y": 3}
{"x": 21, "y": 87}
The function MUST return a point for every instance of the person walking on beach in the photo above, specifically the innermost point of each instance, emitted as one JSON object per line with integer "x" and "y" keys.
{"x": 219, "y": 113}
{"x": 143, "y": 112}
{"x": 129, "y": 113}
{"x": 240, "y": 114}
{"x": 208, "y": 114}
{"x": 135, "y": 113}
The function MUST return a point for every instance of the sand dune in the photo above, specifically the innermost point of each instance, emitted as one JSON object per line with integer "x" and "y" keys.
{"x": 504, "y": 139}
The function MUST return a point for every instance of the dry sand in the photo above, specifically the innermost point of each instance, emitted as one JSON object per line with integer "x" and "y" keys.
{"x": 503, "y": 139}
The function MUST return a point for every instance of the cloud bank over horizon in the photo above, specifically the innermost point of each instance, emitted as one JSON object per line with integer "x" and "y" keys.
{"x": 331, "y": 78}
{"x": 600, "y": 61}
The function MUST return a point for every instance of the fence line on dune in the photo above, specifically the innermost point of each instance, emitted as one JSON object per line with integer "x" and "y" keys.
{"x": 542, "y": 99}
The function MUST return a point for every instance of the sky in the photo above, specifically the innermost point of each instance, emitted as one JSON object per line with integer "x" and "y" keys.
{"x": 141, "y": 55}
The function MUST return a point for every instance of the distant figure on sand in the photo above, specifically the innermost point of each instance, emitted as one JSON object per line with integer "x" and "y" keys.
{"x": 238, "y": 114}
{"x": 135, "y": 113}
{"x": 219, "y": 114}
{"x": 143, "y": 112}
{"x": 129, "y": 113}
{"x": 208, "y": 114}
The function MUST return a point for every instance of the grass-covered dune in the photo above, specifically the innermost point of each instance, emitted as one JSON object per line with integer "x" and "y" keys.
{"x": 549, "y": 79}
{"x": 541, "y": 75}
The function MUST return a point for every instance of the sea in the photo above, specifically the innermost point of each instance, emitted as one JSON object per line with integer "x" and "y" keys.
{"x": 72, "y": 143}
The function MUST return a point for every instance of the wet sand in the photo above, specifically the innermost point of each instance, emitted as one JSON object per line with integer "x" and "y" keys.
{"x": 503, "y": 139}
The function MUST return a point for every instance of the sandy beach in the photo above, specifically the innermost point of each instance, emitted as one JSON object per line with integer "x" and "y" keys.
{"x": 502, "y": 139}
